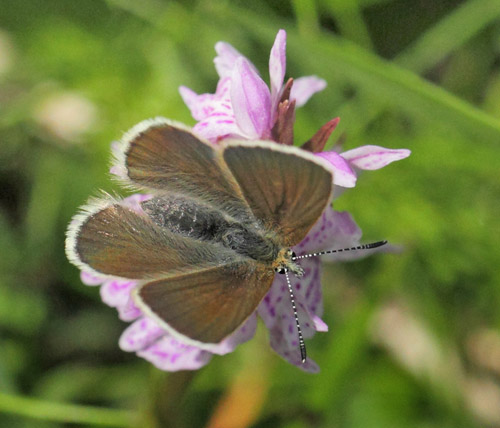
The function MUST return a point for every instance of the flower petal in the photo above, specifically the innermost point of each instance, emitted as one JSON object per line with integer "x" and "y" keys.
{"x": 204, "y": 105}
{"x": 305, "y": 87}
{"x": 347, "y": 234}
{"x": 319, "y": 324}
{"x": 279, "y": 344}
{"x": 214, "y": 112}
{"x": 276, "y": 305}
{"x": 277, "y": 313}
{"x": 171, "y": 355}
{"x": 276, "y": 310}
{"x": 251, "y": 101}
{"x": 90, "y": 279}
{"x": 277, "y": 67}
{"x": 217, "y": 127}
{"x": 226, "y": 59}
{"x": 192, "y": 101}
{"x": 129, "y": 311}
{"x": 343, "y": 175}
{"x": 116, "y": 292}
{"x": 333, "y": 230}
{"x": 374, "y": 157}
{"x": 140, "y": 334}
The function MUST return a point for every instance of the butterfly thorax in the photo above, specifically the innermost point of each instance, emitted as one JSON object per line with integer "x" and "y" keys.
{"x": 284, "y": 262}
{"x": 189, "y": 218}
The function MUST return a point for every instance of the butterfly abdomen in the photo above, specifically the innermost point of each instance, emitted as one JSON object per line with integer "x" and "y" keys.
{"x": 186, "y": 217}
{"x": 190, "y": 218}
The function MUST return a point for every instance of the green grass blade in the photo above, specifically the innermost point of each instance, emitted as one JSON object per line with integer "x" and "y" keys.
{"x": 349, "y": 18}
{"x": 60, "y": 412}
{"x": 307, "y": 16}
{"x": 448, "y": 34}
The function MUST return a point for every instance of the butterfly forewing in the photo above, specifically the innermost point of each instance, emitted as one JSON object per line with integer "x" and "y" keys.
{"x": 286, "y": 189}
{"x": 114, "y": 240}
{"x": 168, "y": 158}
{"x": 208, "y": 305}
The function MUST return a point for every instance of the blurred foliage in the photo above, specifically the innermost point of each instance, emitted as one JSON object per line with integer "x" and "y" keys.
{"x": 414, "y": 337}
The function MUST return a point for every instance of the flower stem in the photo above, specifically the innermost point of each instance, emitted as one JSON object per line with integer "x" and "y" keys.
{"x": 62, "y": 412}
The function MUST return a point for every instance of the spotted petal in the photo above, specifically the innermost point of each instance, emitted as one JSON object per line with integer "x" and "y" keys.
{"x": 204, "y": 105}
{"x": 292, "y": 355}
{"x": 333, "y": 230}
{"x": 140, "y": 335}
{"x": 276, "y": 308}
{"x": 116, "y": 292}
{"x": 217, "y": 127}
{"x": 129, "y": 311}
{"x": 168, "y": 353}
{"x": 276, "y": 311}
{"x": 214, "y": 112}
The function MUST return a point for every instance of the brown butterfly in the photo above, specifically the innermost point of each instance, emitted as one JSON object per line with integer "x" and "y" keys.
{"x": 220, "y": 224}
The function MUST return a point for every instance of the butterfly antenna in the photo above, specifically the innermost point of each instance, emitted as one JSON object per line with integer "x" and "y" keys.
{"x": 302, "y": 345}
{"x": 342, "y": 250}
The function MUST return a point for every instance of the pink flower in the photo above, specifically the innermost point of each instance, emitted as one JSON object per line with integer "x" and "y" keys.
{"x": 244, "y": 107}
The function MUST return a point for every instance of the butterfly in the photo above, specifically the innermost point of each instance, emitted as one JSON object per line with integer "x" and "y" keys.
{"x": 220, "y": 224}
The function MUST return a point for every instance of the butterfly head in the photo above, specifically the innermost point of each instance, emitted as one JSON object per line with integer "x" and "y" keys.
{"x": 284, "y": 263}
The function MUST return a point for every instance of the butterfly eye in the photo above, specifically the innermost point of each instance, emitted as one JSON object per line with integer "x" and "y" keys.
{"x": 280, "y": 270}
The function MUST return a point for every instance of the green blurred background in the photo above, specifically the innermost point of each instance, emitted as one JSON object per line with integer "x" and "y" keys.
{"x": 414, "y": 337}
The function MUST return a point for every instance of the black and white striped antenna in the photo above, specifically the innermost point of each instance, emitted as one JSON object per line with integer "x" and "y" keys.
{"x": 342, "y": 250}
{"x": 302, "y": 345}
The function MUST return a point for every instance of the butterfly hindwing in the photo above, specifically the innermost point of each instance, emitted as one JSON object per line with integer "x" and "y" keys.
{"x": 208, "y": 305}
